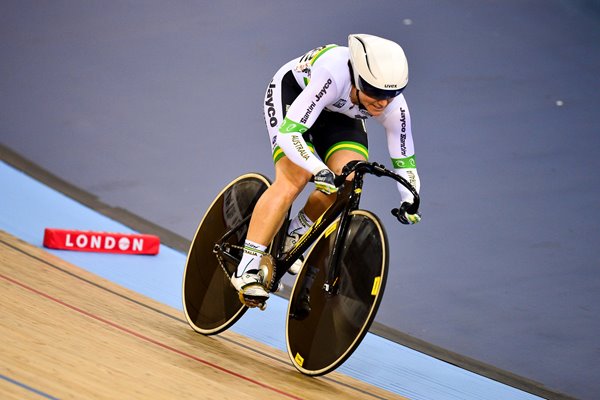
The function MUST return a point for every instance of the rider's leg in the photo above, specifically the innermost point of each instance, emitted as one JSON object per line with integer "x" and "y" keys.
{"x": 319, "y": 202}
{"x": 316, "y": 204}
{"x": 271, "y": 209}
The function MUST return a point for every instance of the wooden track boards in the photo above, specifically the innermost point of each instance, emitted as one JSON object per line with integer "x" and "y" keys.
{"x": 66, "y": 333}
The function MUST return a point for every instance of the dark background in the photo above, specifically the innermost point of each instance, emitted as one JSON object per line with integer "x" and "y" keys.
{"x": 153, "y": 106}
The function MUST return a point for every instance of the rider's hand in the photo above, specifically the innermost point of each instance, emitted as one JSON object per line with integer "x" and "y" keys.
{"x": 406, "y": 218}
{"x": 325, "y": 181}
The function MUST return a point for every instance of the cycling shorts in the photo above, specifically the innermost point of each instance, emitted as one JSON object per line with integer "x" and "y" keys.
{"x": 331, "y": 131}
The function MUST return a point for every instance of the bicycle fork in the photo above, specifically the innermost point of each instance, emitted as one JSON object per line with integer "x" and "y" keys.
{"x": 331, "y": 286}
{"x": 332, "y": 281}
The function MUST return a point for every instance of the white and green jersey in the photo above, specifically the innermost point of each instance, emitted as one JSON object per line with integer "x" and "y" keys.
{"x": 324, "y": 77}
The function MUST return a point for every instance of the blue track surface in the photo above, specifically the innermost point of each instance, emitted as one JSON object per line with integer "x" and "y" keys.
{"x": 29, "y": 207}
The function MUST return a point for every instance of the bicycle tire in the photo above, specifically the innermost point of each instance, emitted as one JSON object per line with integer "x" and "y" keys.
{"x": 335, "y": 326}
{"x": 210, "y": 302}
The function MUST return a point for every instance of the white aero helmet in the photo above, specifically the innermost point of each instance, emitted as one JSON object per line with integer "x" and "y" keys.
{"x": 379, "y": 65}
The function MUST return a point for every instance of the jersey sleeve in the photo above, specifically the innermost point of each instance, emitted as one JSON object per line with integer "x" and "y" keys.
{"x": 397, "y": 125}
{"x": 320, "y": 92}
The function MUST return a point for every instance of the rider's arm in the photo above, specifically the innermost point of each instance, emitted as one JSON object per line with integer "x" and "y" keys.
{"x": 396, "y": 122}
{"x": 301, "y": 115}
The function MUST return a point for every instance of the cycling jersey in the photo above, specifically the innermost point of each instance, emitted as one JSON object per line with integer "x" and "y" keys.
{"x": 324, "y": 78}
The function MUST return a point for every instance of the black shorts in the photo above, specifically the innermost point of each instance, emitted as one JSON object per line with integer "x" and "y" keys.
{"x": 331, "y": 131}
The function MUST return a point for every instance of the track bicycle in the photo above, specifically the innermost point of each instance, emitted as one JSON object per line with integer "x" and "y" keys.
{"x": 338, "y": 290}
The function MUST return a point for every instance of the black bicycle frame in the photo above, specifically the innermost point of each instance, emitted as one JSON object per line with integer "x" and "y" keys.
{"x": 348, "y": 199}
{"x": 331, "y": 283}
{"x": 222, "y": 247}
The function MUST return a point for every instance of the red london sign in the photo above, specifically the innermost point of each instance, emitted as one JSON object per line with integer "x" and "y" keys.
{"x": 103, "y": 242}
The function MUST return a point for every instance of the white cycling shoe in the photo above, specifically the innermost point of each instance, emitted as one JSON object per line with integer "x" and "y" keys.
{"x": 253, "y": 286}
{"x": 251, "y": 289}
{"x": 296, "y": 266}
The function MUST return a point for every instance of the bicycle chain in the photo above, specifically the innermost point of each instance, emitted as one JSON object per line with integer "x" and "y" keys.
{"x": 222, "y": 264}
{"x": 262, "y": 306}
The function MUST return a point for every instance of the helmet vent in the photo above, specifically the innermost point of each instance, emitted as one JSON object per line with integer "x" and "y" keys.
{"x": 366, "y": 55}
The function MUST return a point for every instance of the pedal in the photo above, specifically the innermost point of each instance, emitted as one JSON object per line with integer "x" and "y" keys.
{"x": 252, "y": 301}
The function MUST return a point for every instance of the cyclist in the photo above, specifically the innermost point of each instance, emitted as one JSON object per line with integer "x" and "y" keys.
{"x": 315, "y": 108}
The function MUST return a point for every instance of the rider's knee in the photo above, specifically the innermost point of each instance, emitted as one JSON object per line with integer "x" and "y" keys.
{"x": 288, "y": 189}
{"x": 290, "y": 179}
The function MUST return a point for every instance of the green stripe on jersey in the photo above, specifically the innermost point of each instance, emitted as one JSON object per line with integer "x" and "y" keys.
{"x": 320, "y": 53}
{"x": 312, "y": 57}
{"x": 408, "y": 162}
{"x": 289, "y": 126}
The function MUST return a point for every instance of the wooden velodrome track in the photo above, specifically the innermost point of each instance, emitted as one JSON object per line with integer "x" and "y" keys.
{"x": 67, "y": 333}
